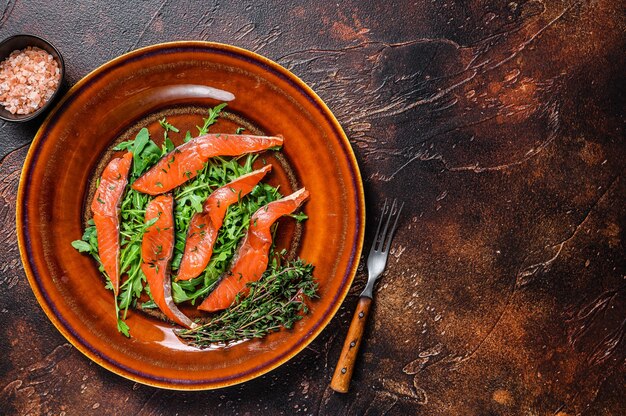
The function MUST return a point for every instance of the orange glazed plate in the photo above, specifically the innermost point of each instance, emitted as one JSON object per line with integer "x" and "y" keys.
{"x": 180, "y": 81}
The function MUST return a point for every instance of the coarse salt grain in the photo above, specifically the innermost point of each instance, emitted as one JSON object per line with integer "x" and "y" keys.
{"x": 28, "y": 78}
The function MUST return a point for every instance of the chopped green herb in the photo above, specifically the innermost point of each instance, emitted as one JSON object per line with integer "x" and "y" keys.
{"x": 123, "y": 328}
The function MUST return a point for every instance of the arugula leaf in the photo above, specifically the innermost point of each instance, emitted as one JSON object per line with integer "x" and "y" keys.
{"x": 300, "y": 216}
{"x": 82, "y": 246}
{"x": 211, "y": 119}
{"x": 123, "y": 328}
{"x": 168, "y": 146}
{"x": 141, "y": 140}
{"x": 196, "y": 202}
{"x": 167, "y": 126}
{"x": 128, "y": 144}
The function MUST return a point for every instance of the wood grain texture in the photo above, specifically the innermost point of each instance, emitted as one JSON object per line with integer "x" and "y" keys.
{"x": 501, "y": 124}
{"x": 348, "y": 356}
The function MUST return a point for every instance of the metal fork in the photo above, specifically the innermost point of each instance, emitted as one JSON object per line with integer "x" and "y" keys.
{"x": 376, "y": 262}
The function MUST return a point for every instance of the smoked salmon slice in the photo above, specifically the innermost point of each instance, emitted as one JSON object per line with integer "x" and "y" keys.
{"x": 251, "y": 260}
{"x": 157, "y": 247}
{"x": 204, "y": 226}
{"x": 106, "y": 215}
{"x": 184, "y": 162}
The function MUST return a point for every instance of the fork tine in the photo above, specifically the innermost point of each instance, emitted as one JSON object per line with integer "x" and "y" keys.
{"x": 393, "y": 229}
{"x": 384, "y": 235}
{"x": 380, "y": 222}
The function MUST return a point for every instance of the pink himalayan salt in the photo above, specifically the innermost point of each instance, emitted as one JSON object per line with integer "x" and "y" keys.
{"x": 28, "y": 78}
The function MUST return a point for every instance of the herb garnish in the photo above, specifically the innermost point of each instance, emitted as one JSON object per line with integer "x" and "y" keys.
{"x": 277, "y": 300}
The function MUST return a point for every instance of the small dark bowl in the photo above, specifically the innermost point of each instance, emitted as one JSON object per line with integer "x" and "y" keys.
{"x": 19, "y": 42}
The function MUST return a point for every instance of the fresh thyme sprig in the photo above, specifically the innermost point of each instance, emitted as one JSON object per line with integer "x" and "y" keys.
{"x": 277, "y": 300}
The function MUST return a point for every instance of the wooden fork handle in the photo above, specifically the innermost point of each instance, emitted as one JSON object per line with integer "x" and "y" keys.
{"x": 343, "y": 372}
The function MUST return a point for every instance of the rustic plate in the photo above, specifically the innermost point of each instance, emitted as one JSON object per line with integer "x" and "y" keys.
{"x": 180, "y": 80}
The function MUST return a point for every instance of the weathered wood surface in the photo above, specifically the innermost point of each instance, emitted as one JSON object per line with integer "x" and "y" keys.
{"x": 500, "y": 123}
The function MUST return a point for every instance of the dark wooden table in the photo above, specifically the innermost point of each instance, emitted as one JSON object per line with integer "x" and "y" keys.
{"x": 501, "y": 124}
